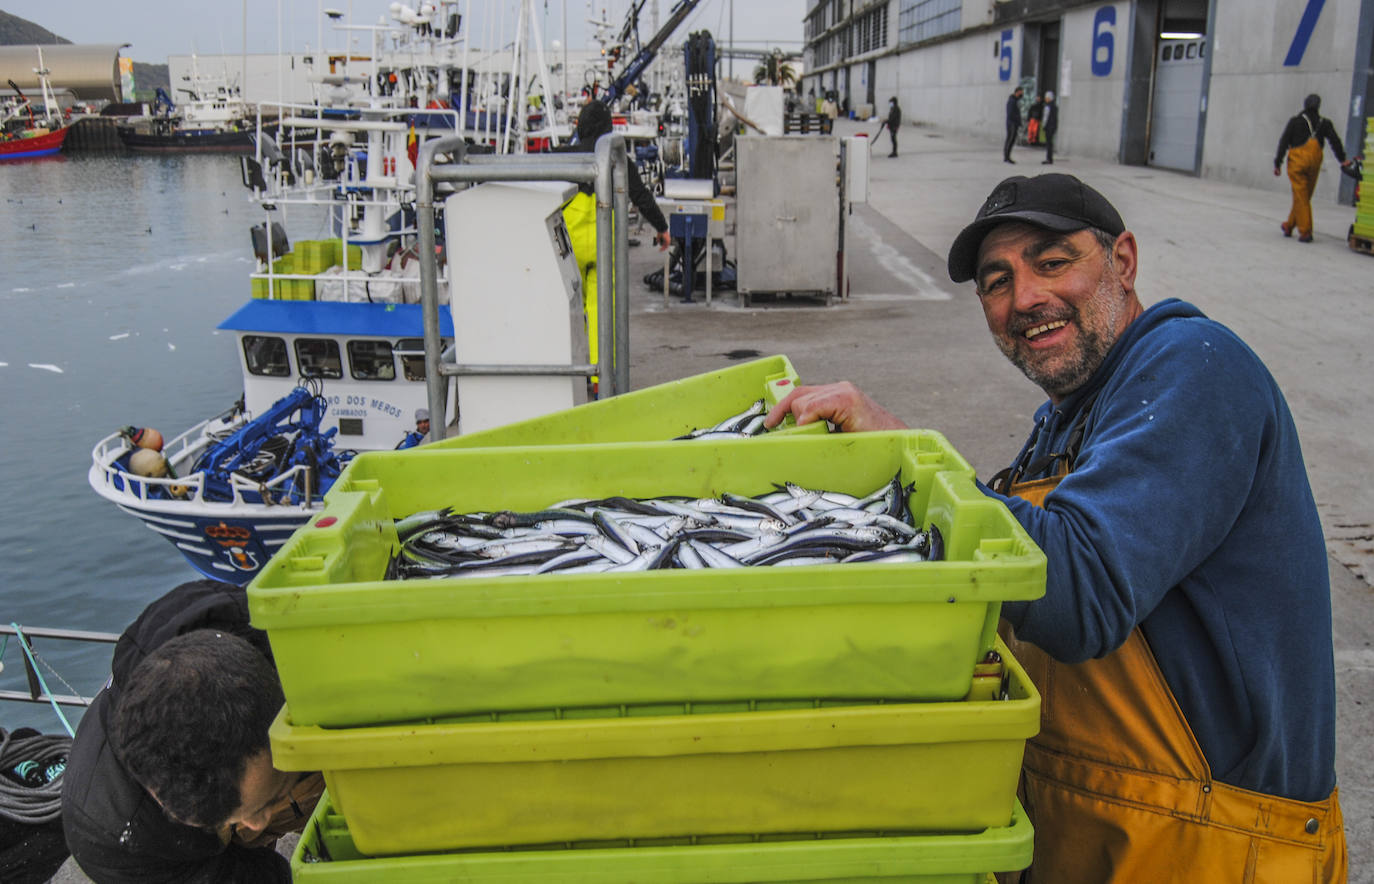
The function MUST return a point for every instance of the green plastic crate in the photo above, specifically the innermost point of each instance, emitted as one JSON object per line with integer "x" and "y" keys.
{"x": 326, "y": 853}
{"x": 918, "y": 767}
{"x": 353, "y": 648}
{"x": 654, "y": 414}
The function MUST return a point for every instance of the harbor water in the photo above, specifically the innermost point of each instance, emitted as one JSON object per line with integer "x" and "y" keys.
{"x": 116, "y": 271}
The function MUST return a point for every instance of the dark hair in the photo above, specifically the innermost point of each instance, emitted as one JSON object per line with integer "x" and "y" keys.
{"x": 192, "y": 714}
{"x": 1312, "y": 103}
{"x": 593, "y": 121}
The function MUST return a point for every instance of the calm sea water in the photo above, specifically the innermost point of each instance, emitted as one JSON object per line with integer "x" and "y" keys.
{"x": 114, "y": 272}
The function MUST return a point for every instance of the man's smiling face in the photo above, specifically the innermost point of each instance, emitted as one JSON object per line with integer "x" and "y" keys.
{"x": 1056, "y": 302}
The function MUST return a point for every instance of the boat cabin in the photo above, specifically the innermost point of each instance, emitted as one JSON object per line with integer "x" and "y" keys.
{"x": 368, "y": 358}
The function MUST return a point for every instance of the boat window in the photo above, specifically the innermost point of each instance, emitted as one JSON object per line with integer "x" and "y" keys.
{"x": 412, "y": 353}
{"x": 371, "y": 360}
{"x": 319, "y": 358}
{"x": 265, "y": 356}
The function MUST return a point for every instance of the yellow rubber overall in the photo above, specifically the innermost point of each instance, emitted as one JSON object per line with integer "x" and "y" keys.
{"x": 1119, "y": 791}
{"x": 1304, "y": 165}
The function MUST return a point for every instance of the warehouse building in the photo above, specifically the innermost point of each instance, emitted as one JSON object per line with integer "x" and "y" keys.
{"x": 1198, "y": 86}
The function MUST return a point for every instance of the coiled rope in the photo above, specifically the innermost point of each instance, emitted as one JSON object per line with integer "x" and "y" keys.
{"x": 31, "y": 805}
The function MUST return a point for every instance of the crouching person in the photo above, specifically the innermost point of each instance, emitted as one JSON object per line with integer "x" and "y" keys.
{"x": 170, "y": 776}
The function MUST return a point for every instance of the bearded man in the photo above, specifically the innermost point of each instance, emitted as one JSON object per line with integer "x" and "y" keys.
{"x": 1183, "y": 645}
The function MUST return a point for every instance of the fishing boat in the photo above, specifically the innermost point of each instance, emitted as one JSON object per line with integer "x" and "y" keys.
{"x": 213, "y": 117}
{"x": 24, "y": 133}
{"x": 330, "y": 346}
{"x": 321, "y": 382}
{"x": 334, "y": 348}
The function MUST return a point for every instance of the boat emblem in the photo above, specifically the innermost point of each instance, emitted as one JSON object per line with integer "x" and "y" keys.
{"x": 223, "y": 532}
{"x": 242, "y": 559}
{"x": 234, "y": 539}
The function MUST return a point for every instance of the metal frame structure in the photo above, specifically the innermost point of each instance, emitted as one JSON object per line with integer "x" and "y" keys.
{"x": 38, "y": 691}
{"x": 606, "y": 170}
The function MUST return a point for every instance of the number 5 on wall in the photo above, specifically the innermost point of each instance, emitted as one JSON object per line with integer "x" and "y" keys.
{"x": 1004, "y": 56}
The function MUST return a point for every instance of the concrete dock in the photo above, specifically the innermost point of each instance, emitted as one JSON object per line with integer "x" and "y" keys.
{"x": 918, "y": 344}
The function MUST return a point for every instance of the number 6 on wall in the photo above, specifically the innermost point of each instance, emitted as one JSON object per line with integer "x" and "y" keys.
{"x": 1104, "y": 41}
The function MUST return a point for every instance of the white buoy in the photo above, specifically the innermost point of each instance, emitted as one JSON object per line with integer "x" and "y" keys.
{"x": 148, "y": 463}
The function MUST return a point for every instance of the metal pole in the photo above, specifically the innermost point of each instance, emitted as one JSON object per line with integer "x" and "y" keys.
{"x": 620, "y": 177}
{"x": 435, "y": 384}
{"x": 605, "y": 250}
{"x": 731, "y": 72}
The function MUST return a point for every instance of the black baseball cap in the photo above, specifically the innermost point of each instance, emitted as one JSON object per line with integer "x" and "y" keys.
{"x": 1055, "y": 201}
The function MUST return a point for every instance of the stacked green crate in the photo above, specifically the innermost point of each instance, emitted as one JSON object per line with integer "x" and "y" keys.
{"x": 327, "y": 854}
{"x": 1364, "y": 208}
{"x": 455, "y": 646}
{"x": 689, "y": 770}
{"x": 711, "y": 723}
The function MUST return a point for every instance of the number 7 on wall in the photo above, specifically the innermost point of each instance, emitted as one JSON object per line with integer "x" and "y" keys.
{"x": 1304, "y": 33}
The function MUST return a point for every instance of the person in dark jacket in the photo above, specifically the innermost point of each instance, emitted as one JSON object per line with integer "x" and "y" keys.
{"x": 593, "y": 121}
{"x": 170, "y": 778}
{"x": 1049, "y": 124}
{"x": 1302, "y": 141}
{"x": 1186, "y": 671}
{"x": 893, "y": 123}
{"x": 1013, "y": 122}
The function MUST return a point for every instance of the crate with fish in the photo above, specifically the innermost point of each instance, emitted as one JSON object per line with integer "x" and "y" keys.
{"x": 354, "y": 647}
{"x": 775, "y": 769}
{"x": 728, "y": 400}
{"x": 326, "y": 853}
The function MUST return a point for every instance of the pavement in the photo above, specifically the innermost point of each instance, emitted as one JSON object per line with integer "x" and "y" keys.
{"x": 917, "y": 343}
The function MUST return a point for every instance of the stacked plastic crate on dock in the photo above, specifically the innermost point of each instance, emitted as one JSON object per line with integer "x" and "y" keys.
{"x": 1362, "y": 233}
{"x": 809, "y": 723}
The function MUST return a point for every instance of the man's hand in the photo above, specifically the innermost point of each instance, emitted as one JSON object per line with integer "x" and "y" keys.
{"x": 843, "y": 404}
{"x": 1276, "y": 171}
{"x": 663, "y": 240}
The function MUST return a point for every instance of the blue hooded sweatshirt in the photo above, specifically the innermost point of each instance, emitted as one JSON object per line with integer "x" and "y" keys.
{"x": 1188, "y": 513}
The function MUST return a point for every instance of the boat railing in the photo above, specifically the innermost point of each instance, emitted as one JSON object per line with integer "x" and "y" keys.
{"x": 606, "y": 169}
{"x": 136, "y": 489}
{"x": 33, "y": 662}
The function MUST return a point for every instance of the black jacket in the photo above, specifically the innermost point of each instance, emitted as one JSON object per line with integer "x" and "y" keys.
{"x": 894, "y": 115}
{"x": 1013, "y": 112}
{"x": 592, "y": 123}
{"x": 114, "y": 828}
{"x": 1304, "y": 126}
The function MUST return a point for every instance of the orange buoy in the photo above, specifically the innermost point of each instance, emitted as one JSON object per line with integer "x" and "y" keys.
{"x": 144, "y": 437}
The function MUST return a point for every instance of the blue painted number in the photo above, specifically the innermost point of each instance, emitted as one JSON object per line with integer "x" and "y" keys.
{"x": 1004, "y": 63}
{"x": 1304, "y": 33}
{"x": 1104, "y": 41}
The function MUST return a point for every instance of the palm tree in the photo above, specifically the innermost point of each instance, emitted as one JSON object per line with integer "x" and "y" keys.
{"x": 775, "y": 71}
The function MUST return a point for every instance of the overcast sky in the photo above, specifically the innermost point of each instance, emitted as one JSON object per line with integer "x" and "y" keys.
{"x": 158, "y": 29}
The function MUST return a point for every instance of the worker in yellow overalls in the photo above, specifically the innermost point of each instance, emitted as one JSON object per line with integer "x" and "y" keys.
{"x": 593, "y": 121}
{"x": 1186, "y": 671}
{"x": 1302, "y": 141}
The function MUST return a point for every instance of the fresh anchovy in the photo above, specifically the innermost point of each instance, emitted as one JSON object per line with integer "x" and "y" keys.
{"x": 789, "y": 527}
{"x": 745, "y": 425}
{"x": 615, "y": 532}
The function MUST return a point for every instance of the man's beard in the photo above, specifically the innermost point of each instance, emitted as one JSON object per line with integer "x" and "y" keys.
{"x": 1096, "y": 334}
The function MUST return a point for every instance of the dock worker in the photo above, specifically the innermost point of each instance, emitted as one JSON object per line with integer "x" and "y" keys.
{"x": 593, "y": 121}
{"x": 170, "y": 776}
{"x": 421, "y": 431}
{"x": 1183, "y": 645}
{"x": 1302, "y": 142}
